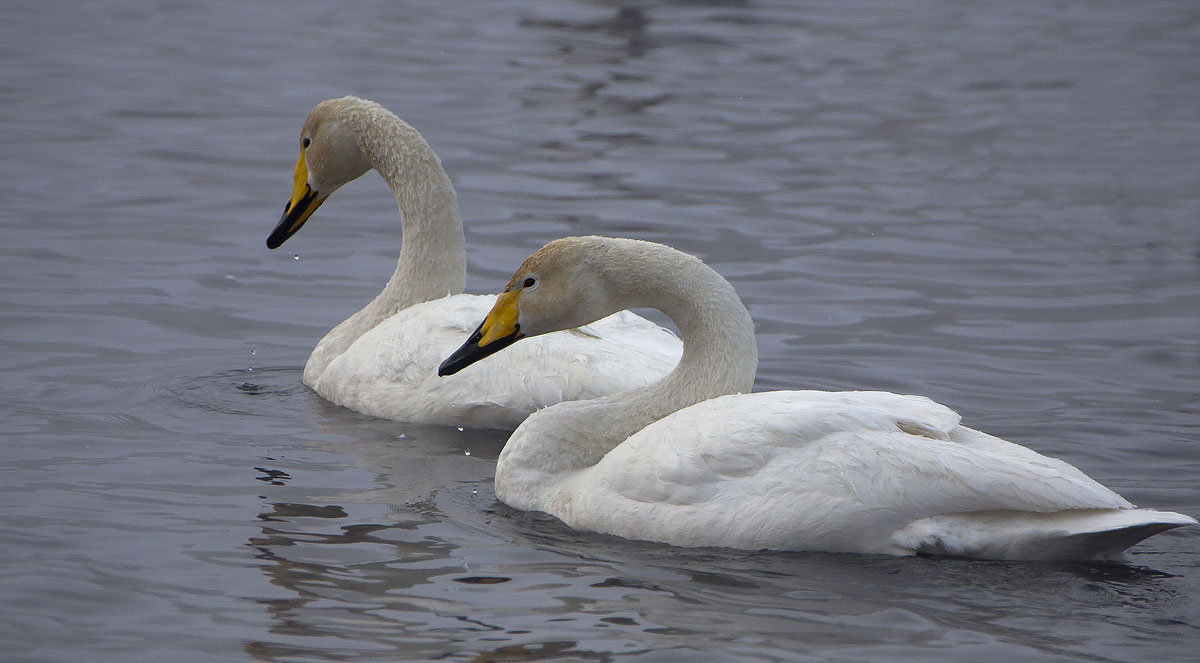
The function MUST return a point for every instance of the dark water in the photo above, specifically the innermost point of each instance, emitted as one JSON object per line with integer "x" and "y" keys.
{"x": 994, "y": 204}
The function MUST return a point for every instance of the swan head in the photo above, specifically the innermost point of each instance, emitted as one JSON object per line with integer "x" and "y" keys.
{"x": 330, "y": 156}
{"x": 563, "y": 285}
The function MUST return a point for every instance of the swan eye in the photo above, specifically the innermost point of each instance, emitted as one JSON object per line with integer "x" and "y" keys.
{"x": 307, "y": 141}
{"x": 529, "y": 282}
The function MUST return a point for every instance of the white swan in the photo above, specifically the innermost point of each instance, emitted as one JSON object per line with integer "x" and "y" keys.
{"x": 694, "y": 461}
{"x": 382, "y": 360}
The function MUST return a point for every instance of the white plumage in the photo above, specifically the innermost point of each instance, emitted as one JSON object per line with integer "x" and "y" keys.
{"x": 391, "y": 370}
{"x": 846, "y": 472}
{"x": 383, "y": 360}
{"x": 685, "y": 461}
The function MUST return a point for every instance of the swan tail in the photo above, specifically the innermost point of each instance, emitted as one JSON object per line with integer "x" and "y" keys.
{"x": 1083, "y": 534}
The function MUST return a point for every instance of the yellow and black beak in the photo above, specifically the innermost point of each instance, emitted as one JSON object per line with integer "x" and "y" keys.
{"x": 303, "y": 203}
{"x": 498, "y": 330}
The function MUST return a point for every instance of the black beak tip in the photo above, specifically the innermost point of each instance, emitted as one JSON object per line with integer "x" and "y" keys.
{"x": 282, "y": 231}
{"x": 293, "y": 217}
{"x": 448, "y": 367}
{"x": 464, "y": 356}
{"x": 471, "y": 352}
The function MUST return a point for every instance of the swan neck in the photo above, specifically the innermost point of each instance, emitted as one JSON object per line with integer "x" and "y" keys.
{"x": 432, "y": 262}
{"x": 720, "y": 357}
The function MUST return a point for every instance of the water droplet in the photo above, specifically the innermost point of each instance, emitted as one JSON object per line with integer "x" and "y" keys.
{"x": 467, "y": 452}
{"x": 401, "y": 436}
{"x": 460, "y": 429}
{"x": 295, "y": 256}
{"x": 253, "y": 352}
{"x": 474, "y": 491}
{"x": 249, "y": 369}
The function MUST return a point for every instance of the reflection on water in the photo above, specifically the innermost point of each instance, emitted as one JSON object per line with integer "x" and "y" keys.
{"x": 993, "y": 204}
{"x": 440, "y": 570}
{"x": 420, "y": 587}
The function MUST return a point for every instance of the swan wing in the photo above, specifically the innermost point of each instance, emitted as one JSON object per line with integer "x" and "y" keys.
{"x": 391, "y": 370}
{"x": 815, "y": 470}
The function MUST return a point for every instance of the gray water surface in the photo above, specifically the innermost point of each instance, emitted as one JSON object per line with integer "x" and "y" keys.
{"x": 993, "y": 204}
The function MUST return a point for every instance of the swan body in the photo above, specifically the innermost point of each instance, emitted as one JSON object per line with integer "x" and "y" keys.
{"x": 385, "y": 375}
{"x": 383, "y": 359}
{"x": 690, "y": 461}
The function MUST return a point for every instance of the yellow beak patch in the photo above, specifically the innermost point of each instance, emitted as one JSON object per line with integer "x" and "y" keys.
{"x": 500, "y": 329}
{"x": 301, "y": 205}
{"x": 299, "y": 181}
{"x": 501, "y": 321}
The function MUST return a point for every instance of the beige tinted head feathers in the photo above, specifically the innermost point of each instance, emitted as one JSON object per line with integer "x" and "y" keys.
{"x": 574, "y": 281}
{"x": 330, "y": 156}
{"x": 553, "y": 289}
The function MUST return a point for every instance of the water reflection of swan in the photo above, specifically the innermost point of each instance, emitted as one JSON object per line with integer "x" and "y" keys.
{"x": 692, "y": 461}
{"x": 382, "y": 360}
{"x": 418, "y": 568}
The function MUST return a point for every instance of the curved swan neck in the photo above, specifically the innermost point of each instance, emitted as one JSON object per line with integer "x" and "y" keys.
{"x": 433, "y": 258}
{"x": 432, "y": 261}
{"x": 719, "y": 357}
